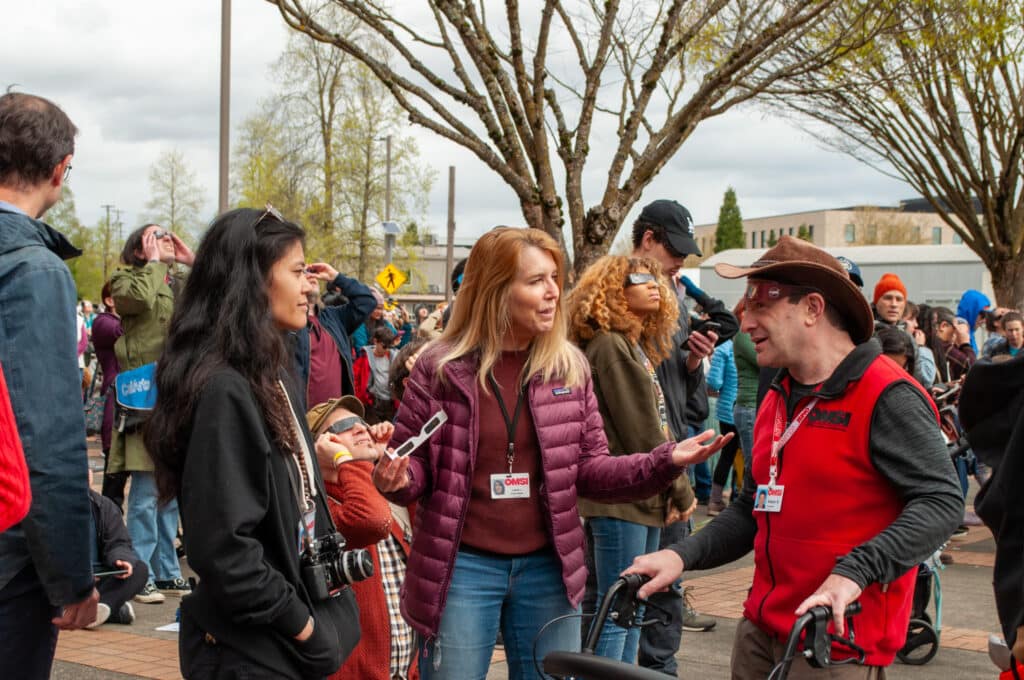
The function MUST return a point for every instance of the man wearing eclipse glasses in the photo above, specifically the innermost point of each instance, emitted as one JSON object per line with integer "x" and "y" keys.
{"x": 386, "y": 649}
{"x": 853, "y": 481}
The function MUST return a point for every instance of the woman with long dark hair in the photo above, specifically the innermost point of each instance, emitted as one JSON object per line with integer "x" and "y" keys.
{"x": 229, "y": 443}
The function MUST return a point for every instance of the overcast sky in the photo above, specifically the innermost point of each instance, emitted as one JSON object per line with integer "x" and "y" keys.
{"x": 139, "y": 78}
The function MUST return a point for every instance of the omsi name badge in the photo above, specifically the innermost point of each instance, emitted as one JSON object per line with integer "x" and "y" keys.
{"x": 507, "y": 486}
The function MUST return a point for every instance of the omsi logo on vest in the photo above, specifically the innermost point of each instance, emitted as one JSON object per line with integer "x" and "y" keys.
{"x": 833, "y": 420}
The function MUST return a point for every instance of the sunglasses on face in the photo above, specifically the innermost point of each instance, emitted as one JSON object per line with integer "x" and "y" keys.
{"x": 638, "y": 279}
{"x": 346, "y": 424}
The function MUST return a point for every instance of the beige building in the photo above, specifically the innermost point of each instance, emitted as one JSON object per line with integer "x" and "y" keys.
{"x": 912, "y": 222}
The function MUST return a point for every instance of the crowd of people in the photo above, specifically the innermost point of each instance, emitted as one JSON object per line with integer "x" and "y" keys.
{"x": 362, "y": 491}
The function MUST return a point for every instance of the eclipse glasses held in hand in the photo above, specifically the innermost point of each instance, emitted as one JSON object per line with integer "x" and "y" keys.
{"x": 426, "y": 432}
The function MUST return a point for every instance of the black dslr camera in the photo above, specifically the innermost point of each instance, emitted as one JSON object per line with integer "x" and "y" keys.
{"x": 327, "y": 567}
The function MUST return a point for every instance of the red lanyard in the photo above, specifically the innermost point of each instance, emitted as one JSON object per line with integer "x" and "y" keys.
{"x": 779, "y": 438}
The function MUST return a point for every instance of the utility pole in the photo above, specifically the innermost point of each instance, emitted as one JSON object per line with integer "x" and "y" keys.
{"x": 106, "y": 238}
{"x": 225, "y": 102}
{"x": 390, "y": 228}
{"x": 387, "y": 181}
{"x": 449, "y": 264}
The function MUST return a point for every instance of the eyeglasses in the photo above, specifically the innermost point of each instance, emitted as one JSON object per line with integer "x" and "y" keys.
{"x": 346, "y": 424}
{"x": 638, "y": 279}
{"x": 270, "y": 211}
{"x": 67, "y": 171}
{"x": 762, "y": 292}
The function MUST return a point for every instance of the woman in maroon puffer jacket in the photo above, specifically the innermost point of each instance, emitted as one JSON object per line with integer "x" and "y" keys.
{"x": 498, "y": 540}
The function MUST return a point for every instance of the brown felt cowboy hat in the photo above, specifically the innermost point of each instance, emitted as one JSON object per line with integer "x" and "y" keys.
{"x": 798, "y": 262}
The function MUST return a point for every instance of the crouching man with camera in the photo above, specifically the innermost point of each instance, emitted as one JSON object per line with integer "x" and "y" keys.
{"x": 229, "y": 441}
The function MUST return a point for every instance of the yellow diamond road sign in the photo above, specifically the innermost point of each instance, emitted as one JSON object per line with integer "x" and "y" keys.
{"x": 391, "y": 278}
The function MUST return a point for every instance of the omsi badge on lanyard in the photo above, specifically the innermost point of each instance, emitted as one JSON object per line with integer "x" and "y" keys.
{"x": 768, "y": 497}
{"x": 514, "y": 484}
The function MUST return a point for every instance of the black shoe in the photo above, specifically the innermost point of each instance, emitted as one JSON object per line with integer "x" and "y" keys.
{"x": 960, "y": 531}
{"x": 178, "y": 586}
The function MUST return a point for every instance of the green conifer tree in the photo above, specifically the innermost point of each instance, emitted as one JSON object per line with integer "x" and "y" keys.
{"x": 729, "y": 233}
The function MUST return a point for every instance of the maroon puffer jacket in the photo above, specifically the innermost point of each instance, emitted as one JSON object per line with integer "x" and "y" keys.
{"x": 574, "y": 454}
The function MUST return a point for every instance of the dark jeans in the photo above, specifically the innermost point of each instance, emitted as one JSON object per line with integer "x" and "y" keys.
{"x": 27, "y": 638}
{"x": 114, "y": 483}
{"x": 727, "y": 456}
{"x": 700, "y": 476}
{"x": 114, "y": 591}
{"x": 659, "y": 643}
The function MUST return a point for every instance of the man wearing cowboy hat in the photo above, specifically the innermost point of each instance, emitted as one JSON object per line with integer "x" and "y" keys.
{"x": 850, "y": 509}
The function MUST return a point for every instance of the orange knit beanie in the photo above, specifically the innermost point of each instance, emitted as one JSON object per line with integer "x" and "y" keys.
{"x": 886, "y": 283}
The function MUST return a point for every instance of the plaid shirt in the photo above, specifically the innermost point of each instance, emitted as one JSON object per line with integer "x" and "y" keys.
{"x": 392, "y": 573}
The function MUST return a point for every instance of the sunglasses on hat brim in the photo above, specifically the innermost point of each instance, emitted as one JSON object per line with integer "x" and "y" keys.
{"x": 769, "y": 291}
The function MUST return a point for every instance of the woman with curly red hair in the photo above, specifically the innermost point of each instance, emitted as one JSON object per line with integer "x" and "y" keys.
{"x": 623, "y": 316}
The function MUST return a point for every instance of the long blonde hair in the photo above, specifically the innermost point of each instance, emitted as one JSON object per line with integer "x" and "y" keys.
{"x": 481, "y": 319}
{"x": 598, "y": 304}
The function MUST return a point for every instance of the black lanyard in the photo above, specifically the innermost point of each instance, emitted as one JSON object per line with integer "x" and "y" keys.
{"x": 510, "y": 424}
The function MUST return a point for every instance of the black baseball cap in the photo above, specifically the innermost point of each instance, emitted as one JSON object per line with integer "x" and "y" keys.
{"x": 677, "y": 223}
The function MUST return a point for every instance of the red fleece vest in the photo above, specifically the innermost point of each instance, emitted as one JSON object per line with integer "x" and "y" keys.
{"x": 834, "y": 501}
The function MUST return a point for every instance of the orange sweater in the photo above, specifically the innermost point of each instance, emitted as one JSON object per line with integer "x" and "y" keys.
{"x": 364, "y": 518}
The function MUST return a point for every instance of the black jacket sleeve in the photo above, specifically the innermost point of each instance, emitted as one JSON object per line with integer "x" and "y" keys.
{"x": 226, "y": 492}
{"x": 350, "y": 315}
{"x": 727, "y": 538}
{"x": 907, "y": 449}
{"x": 112, "y": 540}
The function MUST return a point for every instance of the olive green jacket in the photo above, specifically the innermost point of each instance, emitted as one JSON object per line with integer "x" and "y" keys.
{"x": 629, "y": 406}
{"x": 145, "y": 302}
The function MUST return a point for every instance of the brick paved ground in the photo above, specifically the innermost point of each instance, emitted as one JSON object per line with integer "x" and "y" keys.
{"x": 139, "y": 651}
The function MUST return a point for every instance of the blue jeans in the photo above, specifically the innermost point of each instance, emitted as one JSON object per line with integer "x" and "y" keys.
{"x": 744, "y": 417}
{"x": 153, "y": 529}
{"x": 616, "y": 543}
{"x": 516, "y": 594}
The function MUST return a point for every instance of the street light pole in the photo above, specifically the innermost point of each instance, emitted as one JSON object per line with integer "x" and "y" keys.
{"x": 225, "y": 101}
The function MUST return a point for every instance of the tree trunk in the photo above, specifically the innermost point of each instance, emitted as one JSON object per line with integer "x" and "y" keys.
{"x": 547, "y": 218}
{"x": 1008, "y": 281}
{"x": 599, "y": 228}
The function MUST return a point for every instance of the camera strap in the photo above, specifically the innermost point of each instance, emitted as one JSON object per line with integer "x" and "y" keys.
{"x": 303, "y": 462}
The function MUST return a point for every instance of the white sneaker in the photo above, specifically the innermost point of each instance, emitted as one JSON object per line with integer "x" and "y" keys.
{"x": 102, "y": 614}
{"x": 150, "y": 595}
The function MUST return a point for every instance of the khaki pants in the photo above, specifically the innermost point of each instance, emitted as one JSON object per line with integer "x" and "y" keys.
{"x": 755, "y": 654}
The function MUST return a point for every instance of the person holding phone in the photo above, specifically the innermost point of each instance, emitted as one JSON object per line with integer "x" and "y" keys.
{"x": 231, "y": 444}
{"x": 119, "y": 572}
{"x": 622, "y": 317}
{"x": 521, "y": 409}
